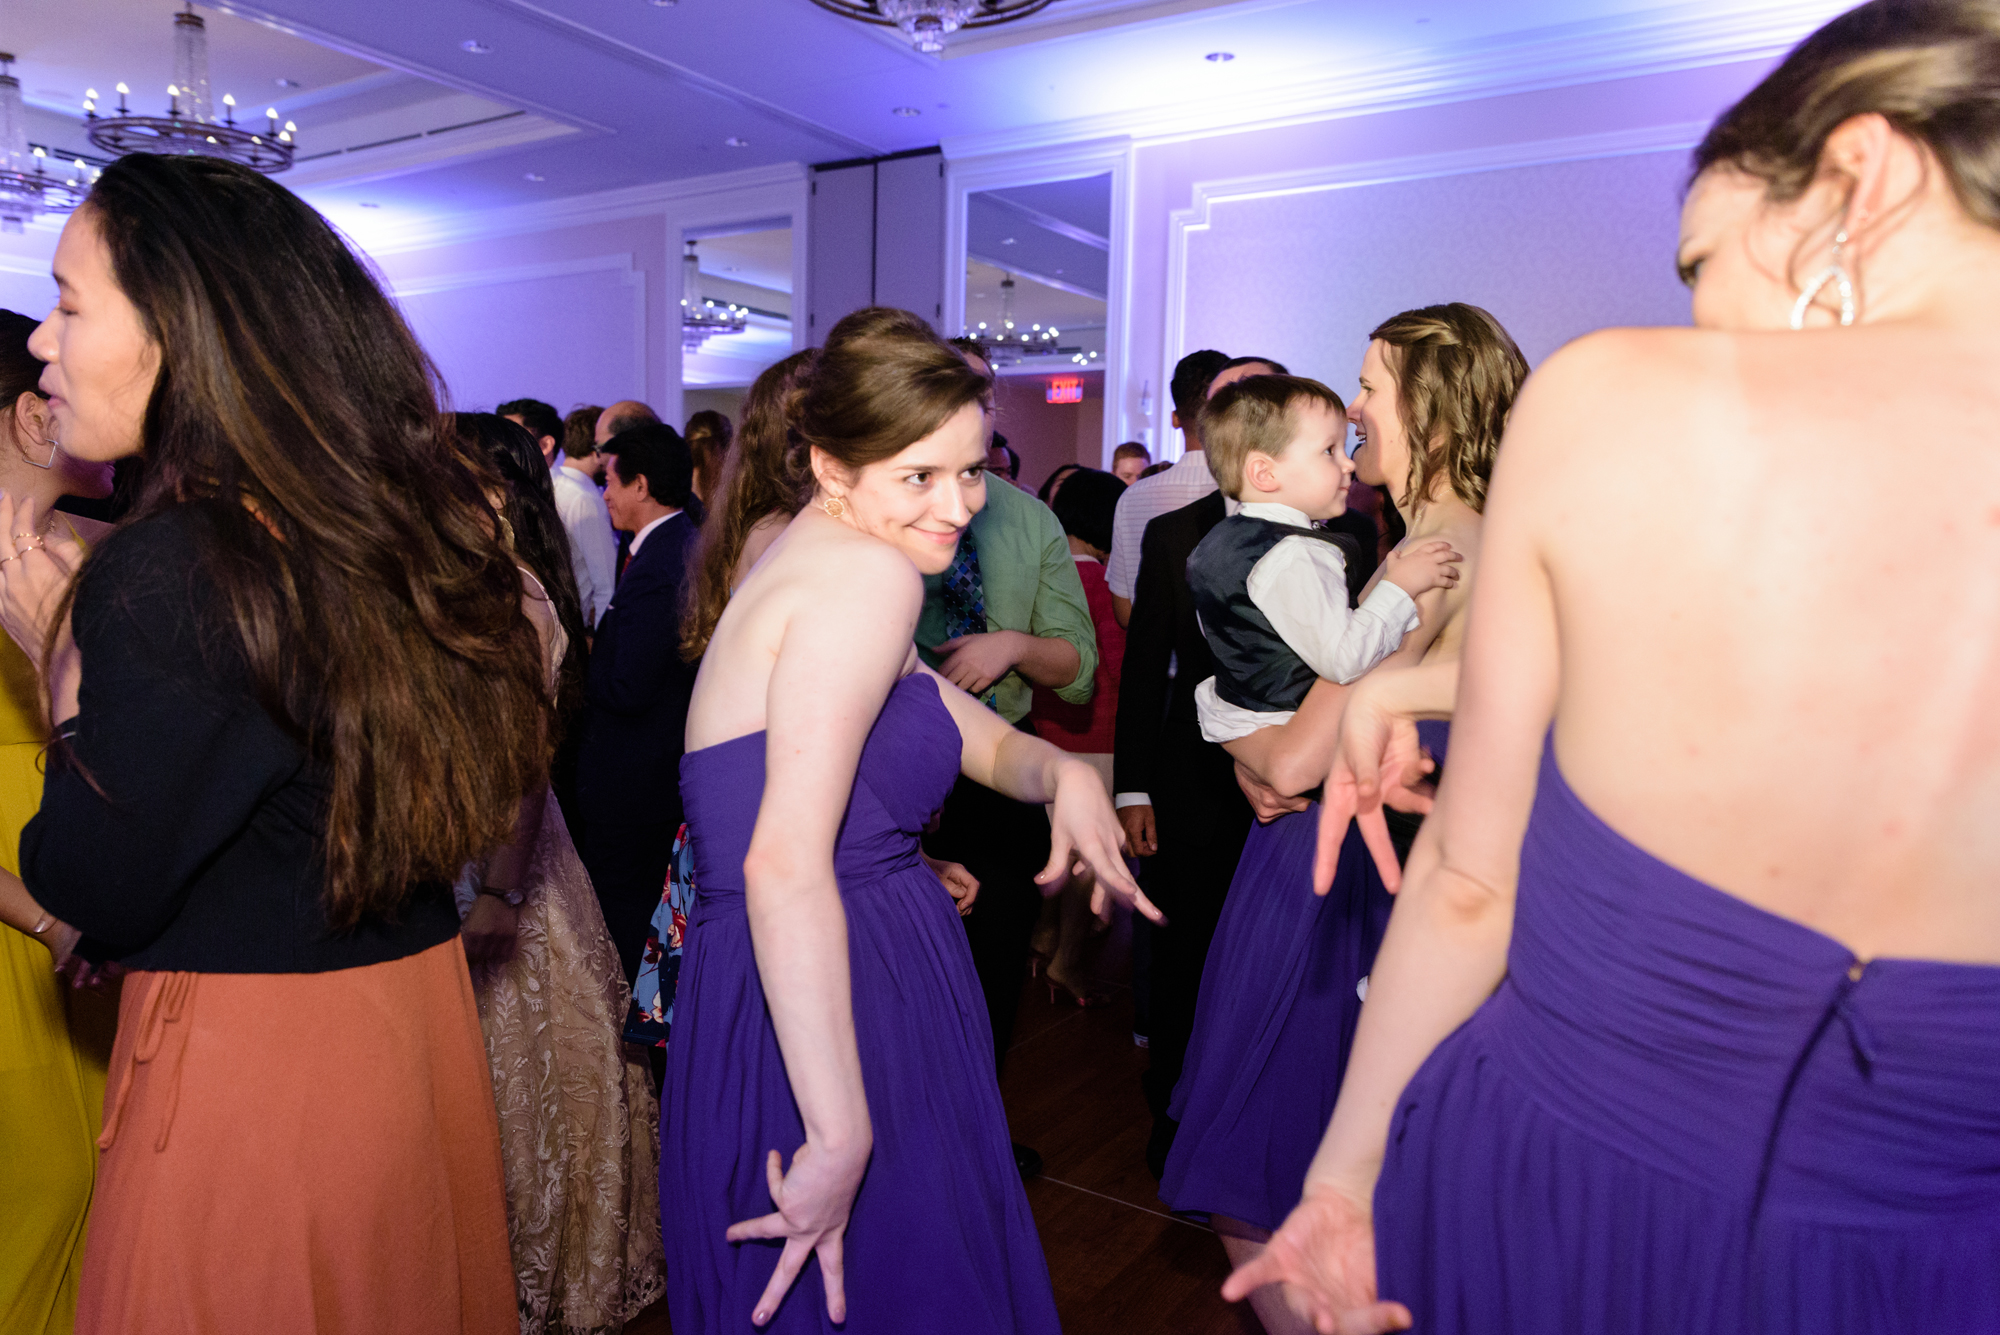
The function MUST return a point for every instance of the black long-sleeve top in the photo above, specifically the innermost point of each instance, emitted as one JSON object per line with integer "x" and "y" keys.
{"x": 203, "y": 850}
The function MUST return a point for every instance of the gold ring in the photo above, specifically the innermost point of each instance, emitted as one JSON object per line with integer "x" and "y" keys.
{"x": 5, "y": 559}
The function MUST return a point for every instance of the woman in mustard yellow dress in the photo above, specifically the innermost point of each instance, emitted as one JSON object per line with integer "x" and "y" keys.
{"x": 54, "y": 1039}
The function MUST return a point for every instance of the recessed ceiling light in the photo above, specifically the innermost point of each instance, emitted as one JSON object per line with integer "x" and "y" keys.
{"x": 289, "y": 83}
{"x": 472, "y": 46}
{"x": 533, "y": 176}
{"x": 665, "y": 4}
{"x": 1007, "y": 241}
{"x": 1220, "y": 57}
{"x": 906, "y": 111}
{"x": 370, "y": 204}
{"x": 735, "y": 142}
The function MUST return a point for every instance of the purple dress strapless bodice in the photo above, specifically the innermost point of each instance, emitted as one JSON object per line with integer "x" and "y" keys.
{"x": 940, "y": 1237}
{"x": 1680, "y": 1112}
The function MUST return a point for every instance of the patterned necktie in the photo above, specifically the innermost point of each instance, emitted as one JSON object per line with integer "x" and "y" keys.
{"x": 964, "y": 596}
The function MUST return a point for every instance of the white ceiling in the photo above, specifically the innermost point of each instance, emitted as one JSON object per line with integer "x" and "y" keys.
{"x": 761, "y": 259}
{"x": 577, "y": 96}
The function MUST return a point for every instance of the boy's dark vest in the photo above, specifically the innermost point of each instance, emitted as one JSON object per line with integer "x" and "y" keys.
{"x": 1254, "y": 668}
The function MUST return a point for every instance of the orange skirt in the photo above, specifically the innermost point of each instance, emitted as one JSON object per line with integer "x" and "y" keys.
{"x": 300, "y": 1153}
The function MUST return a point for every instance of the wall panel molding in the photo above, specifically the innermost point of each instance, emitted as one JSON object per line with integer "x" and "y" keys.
{"x": 736, "y": 194}
{"x": 1183, "y": 223}
{"x": 630, "y": 278}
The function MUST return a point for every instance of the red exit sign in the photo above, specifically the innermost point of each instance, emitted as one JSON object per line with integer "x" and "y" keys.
{"x": 1068, "y": 390}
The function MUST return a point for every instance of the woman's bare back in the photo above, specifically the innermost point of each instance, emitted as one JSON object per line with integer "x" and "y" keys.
{"x": 812, "y": 559}
{"x": 1774, "y": 562}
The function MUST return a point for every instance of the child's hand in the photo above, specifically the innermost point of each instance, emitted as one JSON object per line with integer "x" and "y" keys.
{"x": 1426, "y": 566}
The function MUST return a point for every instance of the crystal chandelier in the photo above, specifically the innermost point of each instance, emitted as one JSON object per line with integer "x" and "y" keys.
{"x": 928, "y": 22}
{"x": 702, "y": 319}
{"x": 26, "y": 187}
{"x": 1009, "y": 342}
{"x": 190, "y": 126}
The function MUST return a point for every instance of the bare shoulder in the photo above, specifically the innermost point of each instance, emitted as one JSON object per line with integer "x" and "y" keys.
{"x": 1628, "y": 374}
{"x": 837, "y": 571}
{"x": 1616, "y": 395}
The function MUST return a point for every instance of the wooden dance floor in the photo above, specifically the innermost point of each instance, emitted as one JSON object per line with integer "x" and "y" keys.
{"x": 1118, "y": 1261}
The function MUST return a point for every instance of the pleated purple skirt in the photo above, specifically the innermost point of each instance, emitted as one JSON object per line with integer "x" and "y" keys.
{"x": 1681, "y": 1113}
{"x": 1273, "y": 1024}
{"x": 940, "y": 1240}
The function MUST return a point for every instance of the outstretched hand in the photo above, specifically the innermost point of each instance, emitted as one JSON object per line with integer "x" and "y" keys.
{"x": 1084, "y": 832}
{"x": 1377, "y": 760}
{"x": 813, "y": 1201}
{"x": 1324, "y": 1255}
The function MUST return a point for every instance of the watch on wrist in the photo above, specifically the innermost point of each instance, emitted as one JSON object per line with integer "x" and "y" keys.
{"x": 512, "y": 897}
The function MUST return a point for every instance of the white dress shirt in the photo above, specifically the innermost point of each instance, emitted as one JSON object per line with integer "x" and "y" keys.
{"x": 593, "y": 547}
{"x": 1300, "y": 586}
{"x": 1143, "y": 502}
{"x": 640, "y": 536}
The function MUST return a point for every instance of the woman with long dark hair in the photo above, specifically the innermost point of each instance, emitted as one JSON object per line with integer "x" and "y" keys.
{"x": 1688, "y": 1017}
{"x": 579, "y": 1124}
{"x": 831, "y": 1018}
{"x": 294, "y": 695}
{"x": 54, "y": 1041}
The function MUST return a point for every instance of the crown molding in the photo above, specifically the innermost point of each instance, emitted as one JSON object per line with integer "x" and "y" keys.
{"x": 736, "y": 191}
{"x": 1656, "y": 41}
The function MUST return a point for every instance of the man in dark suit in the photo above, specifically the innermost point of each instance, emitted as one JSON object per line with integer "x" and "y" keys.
{"x": 1198, "y": 818}
{"x": 635, "y": 723}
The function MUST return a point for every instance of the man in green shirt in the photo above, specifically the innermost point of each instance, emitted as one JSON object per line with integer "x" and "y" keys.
{"x": 1007, "y": 616}
{"x": 1038, "y": 626}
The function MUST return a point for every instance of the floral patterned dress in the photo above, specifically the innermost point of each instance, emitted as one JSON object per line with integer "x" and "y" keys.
{"x": 651, "y": 1020}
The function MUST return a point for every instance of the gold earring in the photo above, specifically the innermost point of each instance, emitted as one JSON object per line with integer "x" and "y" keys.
{"x": 834, "y": 507}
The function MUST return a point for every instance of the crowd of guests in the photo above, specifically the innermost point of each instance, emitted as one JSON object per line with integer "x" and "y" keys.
{"x": 391, "y": 771}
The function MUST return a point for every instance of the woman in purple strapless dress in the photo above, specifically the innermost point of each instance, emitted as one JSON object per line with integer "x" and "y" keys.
{"x": 1688, "y": 1018}
{"x": 833, "y": 1148}
{"x": 1282, "y": 990}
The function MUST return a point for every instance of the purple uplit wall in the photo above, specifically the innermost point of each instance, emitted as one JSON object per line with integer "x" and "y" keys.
{"x": 1556, "y": 210}
{"x": 569, "y": 315}
{"x": 1552, "y": 251}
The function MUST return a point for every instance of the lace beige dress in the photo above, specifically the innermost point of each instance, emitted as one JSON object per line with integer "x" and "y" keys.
{"x": 579, "y": 1124}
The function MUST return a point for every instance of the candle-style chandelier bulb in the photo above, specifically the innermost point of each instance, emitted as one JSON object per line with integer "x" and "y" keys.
{"x": 191, "y": 125}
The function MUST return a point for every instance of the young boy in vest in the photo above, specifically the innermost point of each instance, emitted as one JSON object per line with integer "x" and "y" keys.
{"x": 1270, "y": 589}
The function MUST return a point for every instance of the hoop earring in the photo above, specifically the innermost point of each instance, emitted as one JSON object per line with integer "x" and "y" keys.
{"x": 54, "y": 448}
{"x": 1834, "y": 273}
{"x": 834, "y": 507}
